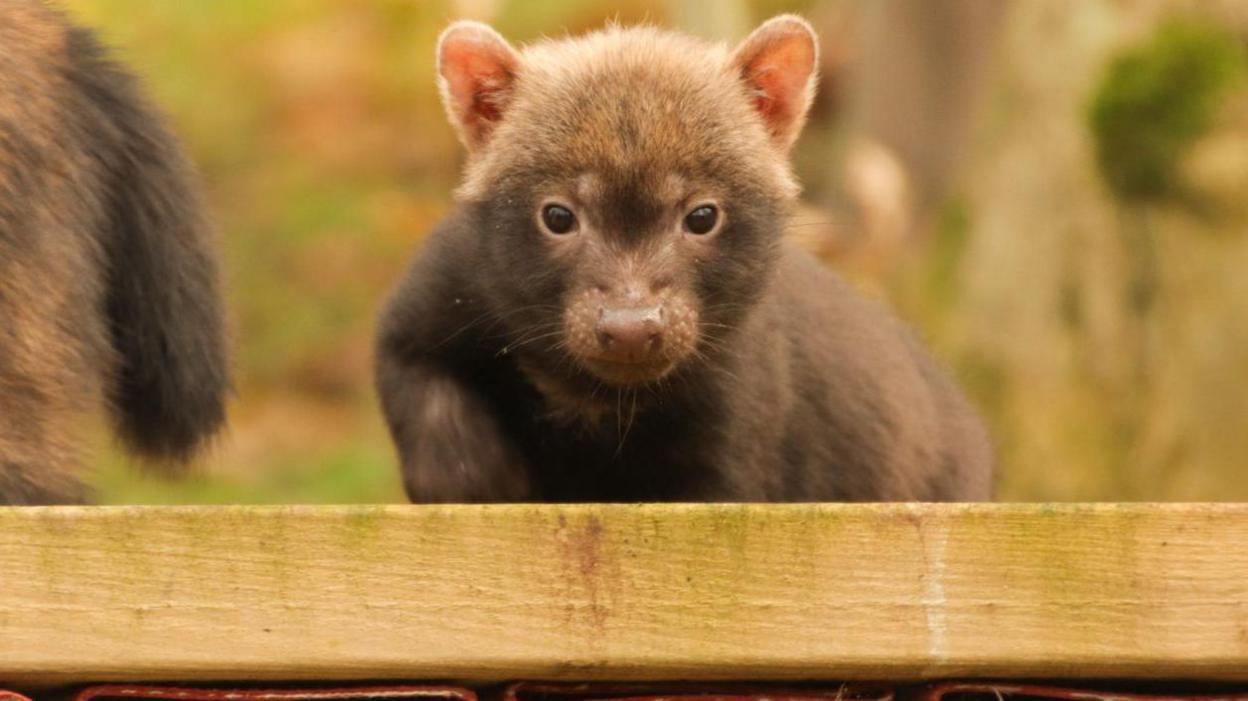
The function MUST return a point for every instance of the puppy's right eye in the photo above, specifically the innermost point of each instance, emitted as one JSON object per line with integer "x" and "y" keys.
{"x": 702, "y": 220}
{"x": 558, "y": 219}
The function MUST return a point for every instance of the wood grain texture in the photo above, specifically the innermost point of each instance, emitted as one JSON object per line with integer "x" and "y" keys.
{"x": 624, "y": 592}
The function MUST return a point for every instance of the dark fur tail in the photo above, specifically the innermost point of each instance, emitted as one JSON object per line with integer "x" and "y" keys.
{"x": 164, "y": 300}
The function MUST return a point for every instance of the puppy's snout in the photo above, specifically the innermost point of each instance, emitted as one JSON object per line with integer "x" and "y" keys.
{"x": 630, "y": 334}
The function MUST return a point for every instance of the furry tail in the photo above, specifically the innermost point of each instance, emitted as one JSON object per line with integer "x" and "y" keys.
{"x": 164, "y": 301}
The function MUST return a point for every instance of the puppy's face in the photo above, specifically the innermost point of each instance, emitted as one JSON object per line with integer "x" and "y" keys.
{"x": 629, "y": 187}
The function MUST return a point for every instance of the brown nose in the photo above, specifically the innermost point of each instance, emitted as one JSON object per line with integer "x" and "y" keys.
{"x": 630, "y": 335}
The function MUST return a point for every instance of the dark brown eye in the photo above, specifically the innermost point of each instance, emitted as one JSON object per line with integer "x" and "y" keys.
{"x": 702, "y": 219}
{"x": 558, "y": 219}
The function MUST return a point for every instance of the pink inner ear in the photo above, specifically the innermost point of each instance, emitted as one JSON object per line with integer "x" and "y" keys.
{"x": 478, "y": 70}
{"x": 779, "y": 68}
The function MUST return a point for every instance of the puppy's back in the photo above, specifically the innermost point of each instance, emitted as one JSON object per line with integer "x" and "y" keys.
{"x": 881, "y": 416}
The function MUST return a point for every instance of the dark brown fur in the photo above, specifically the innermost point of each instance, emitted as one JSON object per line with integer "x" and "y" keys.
{"x": 775, "y": 382}
{"x": 108, "y": 275}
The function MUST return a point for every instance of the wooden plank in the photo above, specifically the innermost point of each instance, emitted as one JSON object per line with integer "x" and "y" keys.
{"x": 624, "y": 592}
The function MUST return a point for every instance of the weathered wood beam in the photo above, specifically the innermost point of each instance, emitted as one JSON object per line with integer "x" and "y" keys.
{"x": 624, "y": 592}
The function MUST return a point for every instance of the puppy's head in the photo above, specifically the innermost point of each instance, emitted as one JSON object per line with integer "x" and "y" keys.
{"x": 629, "y": 187}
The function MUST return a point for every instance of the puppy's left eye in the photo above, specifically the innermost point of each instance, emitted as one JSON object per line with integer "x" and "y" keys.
{"x": 702, "y": 219}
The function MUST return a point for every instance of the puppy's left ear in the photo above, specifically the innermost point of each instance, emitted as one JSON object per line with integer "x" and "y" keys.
{"x": 777, "y": 63}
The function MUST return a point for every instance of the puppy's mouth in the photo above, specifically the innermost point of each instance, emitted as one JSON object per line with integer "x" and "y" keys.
{"x": 628, "y": 374}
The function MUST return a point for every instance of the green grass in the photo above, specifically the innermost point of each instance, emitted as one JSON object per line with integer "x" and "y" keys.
{"x": 362, "y": 473}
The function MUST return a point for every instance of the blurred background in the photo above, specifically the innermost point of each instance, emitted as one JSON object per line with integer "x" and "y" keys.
{"x": 1055, "y": 193}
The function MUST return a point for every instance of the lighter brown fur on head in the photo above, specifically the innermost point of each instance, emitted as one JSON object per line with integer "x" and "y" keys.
{"x": 574, "y": 94}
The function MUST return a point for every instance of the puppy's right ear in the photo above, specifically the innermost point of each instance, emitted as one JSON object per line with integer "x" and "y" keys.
{"x": 476, "y": 72}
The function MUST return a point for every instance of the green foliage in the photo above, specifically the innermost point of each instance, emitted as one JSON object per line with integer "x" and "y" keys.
{"x": 1155, "y": 101}
{"x": 360, "y": 473}
{"x": 952, "y": 235}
